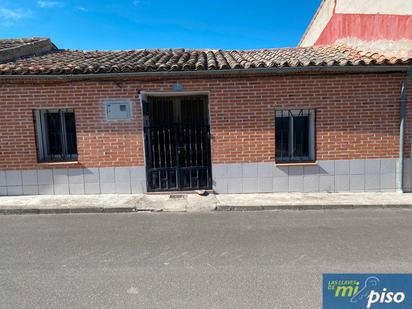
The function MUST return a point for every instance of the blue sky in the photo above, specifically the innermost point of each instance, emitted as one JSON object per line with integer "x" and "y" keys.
{"x": 135, "y": 24}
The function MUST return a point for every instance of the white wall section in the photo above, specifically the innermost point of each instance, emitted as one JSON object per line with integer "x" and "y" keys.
{"x": 318, "y": 23}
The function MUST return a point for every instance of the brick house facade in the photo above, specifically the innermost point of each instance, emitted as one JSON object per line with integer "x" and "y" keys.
{"x": 356, "y": 129}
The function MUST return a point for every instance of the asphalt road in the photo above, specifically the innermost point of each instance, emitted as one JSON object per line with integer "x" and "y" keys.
{"x": 193, "y": 260}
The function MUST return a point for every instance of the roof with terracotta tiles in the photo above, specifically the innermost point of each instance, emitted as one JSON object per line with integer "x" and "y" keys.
{"x": 63, "y": 62}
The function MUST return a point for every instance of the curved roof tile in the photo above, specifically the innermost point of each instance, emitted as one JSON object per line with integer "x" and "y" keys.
{"x": 94, "y": 62}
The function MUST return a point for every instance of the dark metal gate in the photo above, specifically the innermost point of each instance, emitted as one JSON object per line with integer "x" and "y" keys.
{"x": 178, "y": 156}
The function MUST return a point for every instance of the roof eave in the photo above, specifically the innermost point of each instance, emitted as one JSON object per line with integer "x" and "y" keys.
{"x": 275, "y": 70}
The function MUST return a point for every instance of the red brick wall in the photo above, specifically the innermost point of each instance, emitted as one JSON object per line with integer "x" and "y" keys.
{"x": 357, "y": 116}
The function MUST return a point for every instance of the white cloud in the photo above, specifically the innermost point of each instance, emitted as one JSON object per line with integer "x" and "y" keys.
{"x": 11, "y": 15}
{"x": 48, "y": 4}
{"x": 83, "y": 9}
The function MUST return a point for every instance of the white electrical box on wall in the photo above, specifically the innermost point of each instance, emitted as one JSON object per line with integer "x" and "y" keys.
{"x": 118, "y": 110}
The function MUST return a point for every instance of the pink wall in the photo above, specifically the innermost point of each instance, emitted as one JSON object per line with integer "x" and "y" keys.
{"x": 366, "y": 27}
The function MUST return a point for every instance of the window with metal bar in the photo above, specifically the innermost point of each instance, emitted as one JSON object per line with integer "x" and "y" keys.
{"x": 56, "y": 135}
{"x": 295, "y": 135}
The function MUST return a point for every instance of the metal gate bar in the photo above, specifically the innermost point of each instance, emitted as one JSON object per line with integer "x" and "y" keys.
{"x": 178, "y": 157}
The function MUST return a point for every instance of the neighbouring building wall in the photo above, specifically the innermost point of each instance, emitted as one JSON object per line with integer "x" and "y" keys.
{"x": 364, "y": 20}
{"x": 392, "y": 7}
{"x": 367, "y": 28}
{"x": 357, "y": 134}
{"x": 319, "y": 22}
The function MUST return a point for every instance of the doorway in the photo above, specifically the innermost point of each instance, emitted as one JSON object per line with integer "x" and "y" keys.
{"x": 177, "y": 142}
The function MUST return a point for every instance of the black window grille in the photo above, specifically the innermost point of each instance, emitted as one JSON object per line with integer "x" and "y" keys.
{"x": 295, "y": 135}
{"x": 56, "y": 135}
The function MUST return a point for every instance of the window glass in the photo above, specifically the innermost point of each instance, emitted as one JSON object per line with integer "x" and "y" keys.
{"x": 301, "y": 137}
{"x": 53, "y": 133}
{"x": 70, "y": 133}
{"x": 282, "y": 137}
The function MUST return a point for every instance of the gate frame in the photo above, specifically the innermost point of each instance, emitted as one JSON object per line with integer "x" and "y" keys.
{"x": 143, "y": 97}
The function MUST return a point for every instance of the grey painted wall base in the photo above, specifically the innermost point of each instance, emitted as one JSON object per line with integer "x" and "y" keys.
{"x": 107, "y": 180}
{"x": 326, "y": 176}
{"x": 377, "y": 175}
{"x": 407, "y": 178}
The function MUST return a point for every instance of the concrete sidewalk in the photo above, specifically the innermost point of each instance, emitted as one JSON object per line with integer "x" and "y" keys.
{"x": 313, "y": 201}
{"x": 46, "y": 204}
{"x": 106, "y": 203}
